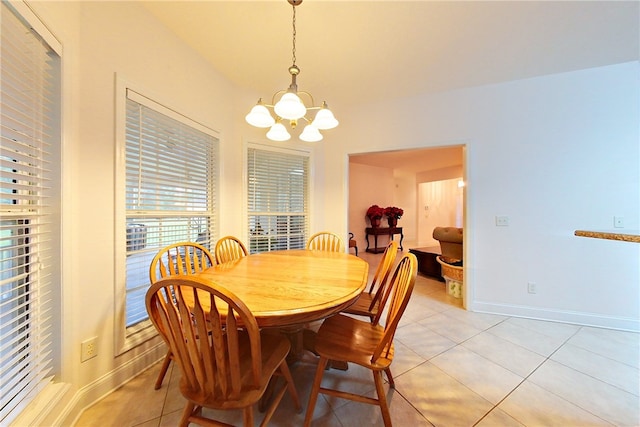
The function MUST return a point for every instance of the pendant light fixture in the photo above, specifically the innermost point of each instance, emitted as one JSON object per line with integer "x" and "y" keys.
{"x": 290, "y": 108}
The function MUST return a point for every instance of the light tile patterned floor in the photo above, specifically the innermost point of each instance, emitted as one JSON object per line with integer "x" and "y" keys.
{"x": 452, "y": 368}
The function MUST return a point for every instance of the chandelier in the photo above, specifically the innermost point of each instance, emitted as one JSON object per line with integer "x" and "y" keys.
{"x": 290, "y": 108}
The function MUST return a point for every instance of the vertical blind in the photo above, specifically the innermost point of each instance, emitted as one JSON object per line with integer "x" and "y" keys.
{"x": 278, "y": 199}
{"x": 29, "y": 224}
{"x": 171, "y": 173}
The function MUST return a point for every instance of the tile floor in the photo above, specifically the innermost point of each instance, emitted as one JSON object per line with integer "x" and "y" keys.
{"x": 452, "y": 368}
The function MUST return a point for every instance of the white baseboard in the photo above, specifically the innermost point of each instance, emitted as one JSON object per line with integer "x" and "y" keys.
{"x": 562, "y": 316}
{"x": 96, "y": 390}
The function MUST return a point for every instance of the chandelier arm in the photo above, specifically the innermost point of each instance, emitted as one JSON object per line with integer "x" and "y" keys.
{"x": 313, "y": 103}
{"x": 273, "y": 98}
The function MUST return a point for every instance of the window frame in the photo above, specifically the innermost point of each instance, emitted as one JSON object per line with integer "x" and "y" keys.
{"x": 128, "y": 337}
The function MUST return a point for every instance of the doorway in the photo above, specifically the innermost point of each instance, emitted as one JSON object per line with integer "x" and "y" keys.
{"x": 400, "y": 178}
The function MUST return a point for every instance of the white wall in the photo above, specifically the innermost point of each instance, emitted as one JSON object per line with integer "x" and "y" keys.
{"x": 555, "y": 154}
{"x": 439, "y": 205}
{"x": 368, "y": 185}
{"x": 99, "y": 40}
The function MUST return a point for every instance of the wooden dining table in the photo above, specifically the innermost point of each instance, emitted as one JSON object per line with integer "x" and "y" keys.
{"x": 291, "y": 288}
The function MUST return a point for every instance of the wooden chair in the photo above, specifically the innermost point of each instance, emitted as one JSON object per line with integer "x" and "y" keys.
{"x": 229, "y": 248}
{"x": 232, "y": 366}
{"x": 179, "y": 258}
{"x": 325, "y": 241}
{"x": 353, "y": 243}
{"x": 344, "y": 338}
{"x": 370, "y": 303}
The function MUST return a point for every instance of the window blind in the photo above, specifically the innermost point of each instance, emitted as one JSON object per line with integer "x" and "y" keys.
{"x": 29, "y": 224}
{"x": 171, "y": 173}
{"x": 278, "y": 199}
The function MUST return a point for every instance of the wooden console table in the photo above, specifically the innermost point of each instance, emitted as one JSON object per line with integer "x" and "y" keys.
{"x": 382, "y": 231}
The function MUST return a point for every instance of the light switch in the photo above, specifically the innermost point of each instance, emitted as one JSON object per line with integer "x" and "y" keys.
{"x": 502, "y": 221}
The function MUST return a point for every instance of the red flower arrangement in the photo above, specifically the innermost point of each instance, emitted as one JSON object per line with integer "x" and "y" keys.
{"x": 393, "y": 212}
{"x": 375, "y": 212}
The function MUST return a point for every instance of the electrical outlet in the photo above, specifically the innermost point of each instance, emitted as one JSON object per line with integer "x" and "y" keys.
{"x": 618, "y": 221}
{"x": 532, "y": 288}
{"x": 89, "y": 349}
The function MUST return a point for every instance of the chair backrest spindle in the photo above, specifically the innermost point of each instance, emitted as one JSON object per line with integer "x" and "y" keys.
{"x": 399, "y": 290}
{"x": 325, "y": 241}
{"x": 186, "y": 309}
{"x": 180, "y": 259}
{"x": 229, "y": 248}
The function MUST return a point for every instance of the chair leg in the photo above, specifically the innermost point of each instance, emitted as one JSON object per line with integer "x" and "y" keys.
{"x": 247, "y": 415}
{"x": 186, "y": 413}
{"x": 163, "y": 369}
{"x": 315, "y": 389}
{"x": 392, "y": 383}
{"x": 273, "y": 406}
{"x": 382, "y": 398}
{"x": 286, "y": 373}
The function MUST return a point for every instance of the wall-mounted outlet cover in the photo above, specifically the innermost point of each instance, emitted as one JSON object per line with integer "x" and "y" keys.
{"x": 89, "y": 349}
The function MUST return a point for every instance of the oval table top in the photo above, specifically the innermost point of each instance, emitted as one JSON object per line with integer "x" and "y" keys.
{"x": 293, "y": 287}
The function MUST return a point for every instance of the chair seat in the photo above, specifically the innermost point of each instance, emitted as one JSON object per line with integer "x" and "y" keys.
{"x": 274, "y": 348}
{"x": 346, "y": 339}
{"x": 361, "y": 306}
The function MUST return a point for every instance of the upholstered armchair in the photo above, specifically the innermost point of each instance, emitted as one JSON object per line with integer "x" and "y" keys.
{"x": 450, "y": 239}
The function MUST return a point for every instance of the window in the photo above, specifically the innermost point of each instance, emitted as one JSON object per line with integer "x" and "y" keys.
{"x": 278, "y": 198}
{"x": 169, "y": 192}
{"x": 29, "y": 205}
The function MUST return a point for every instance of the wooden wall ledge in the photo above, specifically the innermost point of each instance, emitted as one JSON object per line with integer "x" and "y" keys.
{"x": 626, "y": 236}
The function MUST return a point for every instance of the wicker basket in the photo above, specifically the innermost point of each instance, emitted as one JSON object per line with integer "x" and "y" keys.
{"x": 452, "y": 275}
{"x": 451, "y": 271}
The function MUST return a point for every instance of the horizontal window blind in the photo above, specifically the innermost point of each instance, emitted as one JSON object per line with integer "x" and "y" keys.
{"x": 171, "y": 172}
{"x": 30, "y": 143}
{"x": 278, "y": 199}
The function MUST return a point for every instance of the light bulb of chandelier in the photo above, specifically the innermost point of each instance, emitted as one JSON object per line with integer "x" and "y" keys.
{"x": 324, "y": 118}
{"x": 290, "y": 107}
{"x": 278, "y": 133}
{"x": 311, "y": 134}
{"x": 259, "y": 116}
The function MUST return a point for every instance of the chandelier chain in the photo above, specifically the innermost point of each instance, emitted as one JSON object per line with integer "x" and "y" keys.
{"x": 290, "y": 107}
{"x": 293, "y": 51}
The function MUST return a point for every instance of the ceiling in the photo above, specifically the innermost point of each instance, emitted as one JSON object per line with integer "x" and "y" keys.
{"x": 415, "y": 160}
{"x": 352, "y": 52}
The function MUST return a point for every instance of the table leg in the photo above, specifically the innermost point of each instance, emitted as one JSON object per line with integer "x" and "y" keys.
{"x": 295, "y": 334}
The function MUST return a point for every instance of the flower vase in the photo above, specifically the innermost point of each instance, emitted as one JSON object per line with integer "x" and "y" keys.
{"x": 375, "y": 222}
{"x": 393, "y": 221}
